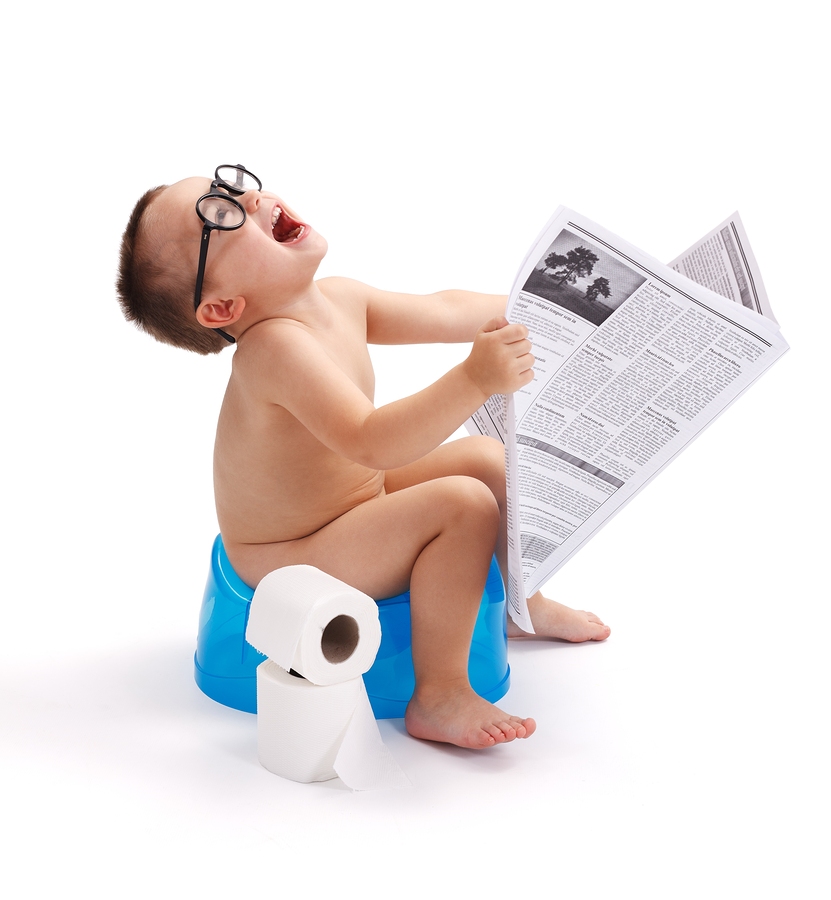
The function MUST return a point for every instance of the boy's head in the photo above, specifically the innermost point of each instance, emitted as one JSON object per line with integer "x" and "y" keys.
{"x": 265, "y": 254}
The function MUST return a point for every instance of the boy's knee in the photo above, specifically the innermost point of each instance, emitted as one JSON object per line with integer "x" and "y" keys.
{"x": 487, "y": 463}
{"x": 493, "y": 455}
{"x": 469, "y": 497}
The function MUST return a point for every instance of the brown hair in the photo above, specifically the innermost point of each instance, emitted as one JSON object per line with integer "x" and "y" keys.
{"x": 155, "y": 294}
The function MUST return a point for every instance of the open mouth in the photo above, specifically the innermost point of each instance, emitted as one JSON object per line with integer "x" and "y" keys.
{"x": 284, "y": 228}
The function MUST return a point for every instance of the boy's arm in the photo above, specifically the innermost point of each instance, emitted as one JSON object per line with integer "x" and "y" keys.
{"x": 445, "y": 317}
{"x": 297, "y": 374}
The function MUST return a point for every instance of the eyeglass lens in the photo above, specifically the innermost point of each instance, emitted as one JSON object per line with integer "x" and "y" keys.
{"x": 237, "y": 178}
{"x": 222, "y": 212}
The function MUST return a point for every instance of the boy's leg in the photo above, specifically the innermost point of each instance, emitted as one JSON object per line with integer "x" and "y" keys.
{"x": 483, "y": 458}
{"x": 437, "y": 539}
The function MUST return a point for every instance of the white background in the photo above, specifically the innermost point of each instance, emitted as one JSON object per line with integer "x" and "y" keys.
{"x": 429, "y": 143}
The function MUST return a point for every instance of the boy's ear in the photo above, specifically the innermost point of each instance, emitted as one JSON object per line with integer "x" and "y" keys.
{"x": 220, "y": 313}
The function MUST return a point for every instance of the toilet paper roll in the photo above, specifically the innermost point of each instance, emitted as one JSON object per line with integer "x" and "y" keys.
{"x": 306, "y": 620}
{"x": 308, "y": 732}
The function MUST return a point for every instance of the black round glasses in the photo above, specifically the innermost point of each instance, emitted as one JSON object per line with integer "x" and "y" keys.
{"x": 219, "y": 210}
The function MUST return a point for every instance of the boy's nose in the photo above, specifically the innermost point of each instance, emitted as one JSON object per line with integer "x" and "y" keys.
{"x": 250, "y": 200}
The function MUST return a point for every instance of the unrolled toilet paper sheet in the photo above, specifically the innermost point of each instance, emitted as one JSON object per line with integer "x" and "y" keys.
{"x": 363, "y": 762}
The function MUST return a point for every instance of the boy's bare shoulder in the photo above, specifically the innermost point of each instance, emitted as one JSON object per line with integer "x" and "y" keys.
{"x": 270, "y": 352}
{"x": 339, "y": 283}
{"x": 341, "y": 290}
{"x": 269, "y": 335}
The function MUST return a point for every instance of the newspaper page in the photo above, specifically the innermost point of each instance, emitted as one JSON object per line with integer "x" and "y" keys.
{"x": 633, "y": 361}
{"x": 724, "y": 262}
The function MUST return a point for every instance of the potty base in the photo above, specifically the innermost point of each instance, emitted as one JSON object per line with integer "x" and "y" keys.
{"x": 225, "y": 664}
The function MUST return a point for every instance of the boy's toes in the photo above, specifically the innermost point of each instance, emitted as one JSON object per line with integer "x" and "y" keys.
{"x": 463, "y": 718}
{"x": 519, "y": 727}
{"x": 598, "y": 631}
{"x": 528, "y": 726}
{"x": 501, "y": 732}
{"x": 488, "y": 736}
{"x": 498, "y": 732}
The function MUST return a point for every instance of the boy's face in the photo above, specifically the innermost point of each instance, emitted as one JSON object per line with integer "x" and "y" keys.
{"x": 274, "y": 254}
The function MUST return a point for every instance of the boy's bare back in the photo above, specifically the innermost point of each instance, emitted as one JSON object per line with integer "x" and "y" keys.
{"x": 274, "y": 480}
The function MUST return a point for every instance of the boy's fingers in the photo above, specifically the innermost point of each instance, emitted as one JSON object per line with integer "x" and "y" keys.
{"x": 494, "y": 324}
{"x": 514, "y": 332}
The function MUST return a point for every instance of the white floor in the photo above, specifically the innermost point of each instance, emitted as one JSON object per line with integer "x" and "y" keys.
{"x": 685, "y": 757}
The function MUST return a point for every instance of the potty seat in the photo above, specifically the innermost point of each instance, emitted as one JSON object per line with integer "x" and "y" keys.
{"x": 225, "y": 664}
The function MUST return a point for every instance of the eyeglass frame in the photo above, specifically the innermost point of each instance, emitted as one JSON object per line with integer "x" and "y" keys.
{"x": 228, "y": 194}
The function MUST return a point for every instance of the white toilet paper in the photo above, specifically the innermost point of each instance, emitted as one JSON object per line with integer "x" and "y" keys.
{"x": 309, "y": 732}
{"x": 300, "y": 725}
{"x": 313, "y": 623}
{"x": 321, "y": 725}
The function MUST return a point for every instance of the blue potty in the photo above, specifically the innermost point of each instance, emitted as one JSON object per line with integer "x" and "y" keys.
{"x": 226, "y": 664}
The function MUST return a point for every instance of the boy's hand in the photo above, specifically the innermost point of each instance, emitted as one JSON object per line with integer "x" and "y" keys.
{"x": 500, "y": 361}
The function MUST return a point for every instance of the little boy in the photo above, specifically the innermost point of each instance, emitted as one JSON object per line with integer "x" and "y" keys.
{"x": 306, "y": 469}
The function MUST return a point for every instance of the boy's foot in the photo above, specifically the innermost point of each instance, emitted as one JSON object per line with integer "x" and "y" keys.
{"x": 553, "y": 620}
{"x": 463, "y": 718}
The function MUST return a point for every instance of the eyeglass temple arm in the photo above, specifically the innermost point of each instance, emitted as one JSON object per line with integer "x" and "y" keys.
{"x": 200, "y": 269}
{"x": 200, "y": 277}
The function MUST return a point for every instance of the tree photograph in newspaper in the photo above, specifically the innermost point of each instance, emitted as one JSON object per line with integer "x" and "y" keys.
{"x": 634, "y": 359}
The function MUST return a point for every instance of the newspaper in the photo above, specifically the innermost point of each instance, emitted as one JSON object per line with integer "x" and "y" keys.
{"x": 633, "y": 360}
